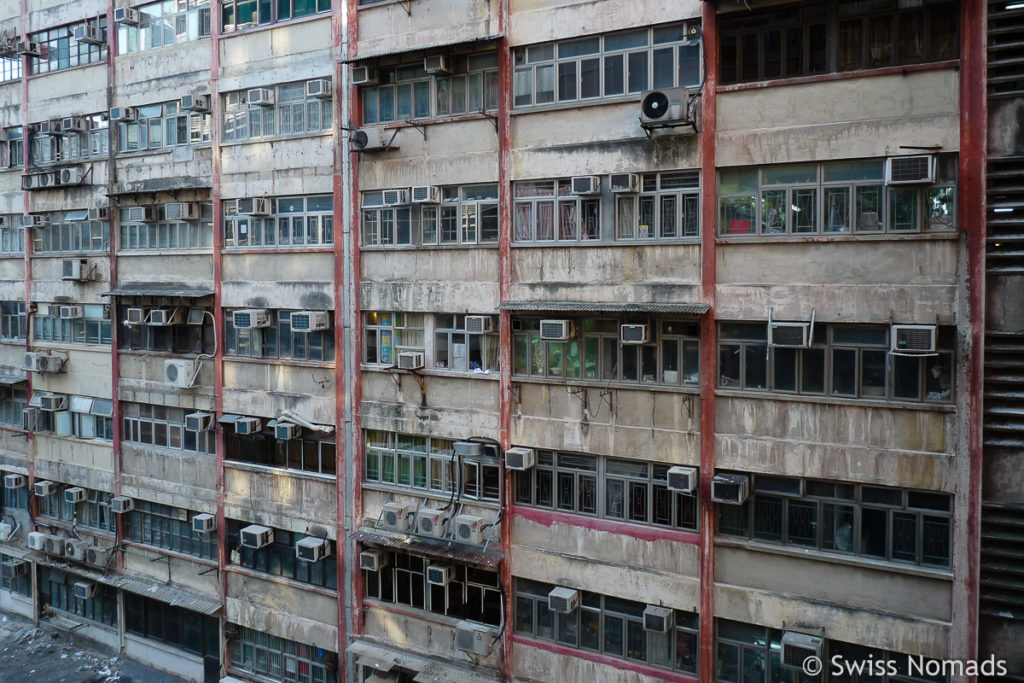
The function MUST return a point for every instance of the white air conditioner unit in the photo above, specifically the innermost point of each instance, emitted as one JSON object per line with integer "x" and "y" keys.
{"x": 469, "y": 529}
{"x": 396, "y": 197}
{"x": 659, "y": 619}
{"x": 14, "y": 569}
{"x": 141, "y": 214}
{"x": 682, "y": 479}
{"x": 51, "y": 403}
{"x": 98, "y": 213}
{"x": 15, "y": 481}
{"x": 664, "y": 108}
{"x": 910, "y": 170}
{"x": 913, "y": 338}
{"x": 798, "y": 647}
{"x": 75, "y": 494}
{"x": 248, "y": 425}
{"x": 395, "y": 516}
{"x": 436, "y": 64}
{"x": 439, "y": 574}
{"x": 71, "y": 312}
{"x": 127, "y": 15}
{"x": 556, "y": 330}
{"x": 256, "y": 536}
{"x": 410, "y": 360}
{"x": 199, "y": 422}
{"x": 45, "y": 488}
{"x": 44, "y": 363}
{"x": 253, "y": 206}
{"x": 53, "y": 545}
{"x": 473, "y": 637}
{"x": 479, "y": 324}
{"x": 309, "y": 321}
{"x": 372, "y": 139}
{"x": 85, "y": 590}
{"x": 563, "y": 600}
{"x": 312, "y": 549}
{"x": 68, "y": 176}
{"x": 634, "y": 334}
{"x": 36, "y": 540}
{"x": 364, "y": 75}
{"x": 134, "y": 316}
{"x": 624, "y": 183}
{"x": 92, "y": 35}
{"x": 182, "y": 211}
{"x": 97, "y": 557}
{"x": 178, "y": 373}
{"x": 31, "y": 419}
{"x": 249, "y": 318}
{"x": 204, "y": 523}
{"x": 586, "y": 184}
{"x": 6, "y": 531}
{"x": 123, "y": 114}
{"x": 430, "y": 522}
{"x": 263, "y": 97}
{"x": 73, "y": 124}
{"x": 31, "y": 48}
{"x": 730, "y": 489}
{"x": 75, "y": 549}
{"x": 286, "y": 431}
{"x": 319, "y": 88}
{"x": 162, "y": 317}
{"x": 426, "y": 194}
{"x": 789, "y": 334}
{"x": 200, "y": 103}
{"x": 33, "y": 220}
{"x": 373, "y": 560}
{"x": 119, "y": 505}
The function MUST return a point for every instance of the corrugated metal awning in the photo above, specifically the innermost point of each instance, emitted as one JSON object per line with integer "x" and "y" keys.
{"x": 162, "y": 592}
{"x": 159, "y": 289}
{"x": 442, "y": 549}
{"x": 420, "y": 48}
{"x": 428, "y": 670}
{"x": 691, "y": 308}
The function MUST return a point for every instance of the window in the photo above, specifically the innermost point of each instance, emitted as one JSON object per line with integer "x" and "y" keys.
{"x": 13, "y": 323}
{"x": 668, "y": 207}
{"x": 57, "y": 590}
{"x": 92, "y": 328}
{"x": 73, "y": 146}
{"x": 386, "y": 334}
{"x": 12, "y": 406}
{"x": 472, "y": 593}
{"x": 10, "y": 69}
{"x": 158, "y": 126}
{"x": 292, "y": 114}
{"x": 12, "y": 237}
{"x": 849, "y": 361}
{"x": 603, "y": 624}
{"x": 94, "y": 512}
{"x": 836, "y": 36}
{"x": 165, "y": 23}
{"x": 278, "y": 340}
{"x": 166, "y": 233}
{"x": 86, "y": 418}
{"x": 612, "y": 65}
{"x": 293, "y": 222}
{"x": 163, "y": 427}
{"x": 596, "y": 353}
{"x": 176, "y": 338}
{"x": 466, "y": 215}
{"x": 176, "y": 626}
{"x": 409, "y": 92}
{"x": 22, "y": 585}
{"x": 626, "y": 490}
{"x": 836, "y": 198}
{"x": 279, "y": 559}
{"x": 63, "y": 51}
{"x": 429, "y": 464}
{"x": 306, "y": 454}
{"x": 457, "y": 349}
{"x": 896, "y": 525}
{"x": 548, "y": 211}
{"x": 14, "y": 148}
{"x": 168, "y": 527}
{"x": 71, "y": 232}
{"x": 279, "y": 659}
{"x": 239, "y": 14}
{"x": 13, "y": 498}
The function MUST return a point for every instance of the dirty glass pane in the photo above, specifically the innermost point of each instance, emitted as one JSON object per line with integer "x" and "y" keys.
{"x": 837, "y": 527}
{"x": 837, "y": 209}
{"x": 613, "y": 628}
{"x": 768, "y": 518}
{"x": 613, "y": 75}
{"x": 904, "y": 537}
{"x": 873, "y": 373}
{"x": 935, "y": 541}
{"x": 874, "y": 532}
{"x": 803, "y": 523}
{"x": 638, "y": 81}
{"x": 756, "y": 375}
{"x": 844, "y": 372}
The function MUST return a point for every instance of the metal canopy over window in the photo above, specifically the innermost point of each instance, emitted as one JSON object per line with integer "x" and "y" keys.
{"x": 166, "y": 289}
{"x": 691, "y": 308}
{"x": 439, "y": 549}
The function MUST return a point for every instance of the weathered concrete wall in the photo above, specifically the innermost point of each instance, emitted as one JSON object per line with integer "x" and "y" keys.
{"x": 179, "y": 168}
{"x": 535, "y": 21}
{"x": 143, "y": 77}
{"x": 264, "y": 389}
{"x": 430, "y": 633}
{"x": 536, "y": 664}
{"x": 164, "y": 657}
{"x": 291, "y": 52}
{"x": 88, "y": 463}
{"x": 383, "y": 27}
{"x": 180, "y": 571}
{"x": 143, "y": 373}
{"x": 88, "y": 371}
{"x": 195, "y": 269}
{"x": 282, "y": 610}
{"x": 300, "y": 166}
{"x": 167, "y": 476}
{"x": 276, "y": 280}
{"x": 48, "y": 285}
{"x": 285, "y": 500}
{"x": 456, "y": 406}
{"x": 442, "y": 280}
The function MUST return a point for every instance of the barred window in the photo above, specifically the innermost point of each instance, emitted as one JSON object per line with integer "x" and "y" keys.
{"x": 455, "y": 348}
{"x": 279, "y": 340}
{"x": 293, "y": 113}
{"x": 176, "y": 338}
{"x": 13, "y": 322}
{"x": 22, "y": 585}
{"x": 94, "y": 512}
{"x": 57, "y": 589}
{"x": 165, "y": 23}
{"x": 168, "y": 527}
{"x": 71, "y": 232}
{"x": 63, "y": 51}
{"x": 167, "y": 233}
{"x": 306, "y": 454}
{"x": 293, "y": 222}
{"x": 548, "y": 211}
{"x": 667, "y": 207}
{"x": 387, "y": 334}
{"x": 12, "y": 406}
{"x": 162, "y": 125}
{"x": 282, "y": 660}
{"x": 163, "y": 427}
{"x": 176, "y": 626}
{"x": 279, "y": 558}
{"x": 93, "y": 327}
{"x": 465, "y": 215}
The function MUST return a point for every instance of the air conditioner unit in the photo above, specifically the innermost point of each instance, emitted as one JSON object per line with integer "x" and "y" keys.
{"x": 93, "y": 35}
{"x": 253, "y": 206}
{"x": 51, "y": 403}
{"x": 31, "y": 48}
{"x": 32, "y": 221}
{"x": 119, "y": 505}
{"x": 396, "y": 197}
{"x": 199, "y": 422}
{"x": 373, "y": 560}
{"x": 430, "y": 522}
{"x": 286, "y": 431}
{"x": 68, "y": 176}
{"x": 98, "y": 214}
{"x": 33, "y": 361}
{"x": 436, "y": 64}
{"x": 75, "y": 549}
{"x": 134, "y": 316}
{"x": 53, "y": 545}
{"x": 75, "y": 494}
{"x": 563, "y": 600}
{"x": 85, "y": 590}
{"x": 74, "y": 269}
{"x": 6, "y": 531}
{"x": 586, "y": 184}
{"x": 309, "y": 321}
{"x": 182, "y": 211}
{"x": 162, "y": 317}
{"x": 372, "y": 139}
{"x": 659, "y": 619}
{"x": 789, "y": 334}
{"x": 364, "y": 75}
{"x": 123, "y": 114}
{"x": 556, "y": 330}
{"x": 97, "y": 557}
{"x": 15, "y": 481}
{"x": 910, "y": 170}
{"x": 312, "y": 549}
{"x": 426, "y": 194}
{"x": 634, "y": 334}
{"x": 731, "y": 489}
{"x": 410, "y": 360}
{"x": 395, "y": 516}
{"x": 31, "y": 419}
{"x": 71, "y": 312}
{"x": 469, "y": 529}
{"x": 200, "y": 103}
{"x": 913, "y": 338}
{"x": 682, "y": 479}
{"x": 45, "y": 488}
{"x": 249, "y": 318}
{"x": 263, "y": 97}
{"x": 73, "y": 124}
{"x": 36, "y": 540}
{"x": 628, "y": 183}
{"x": 14, "y": 569}
{"x": 798, "y": 647}
{"x": 204, "y": 523}
{"x": 479, "y": 324}
{"x": 439, "y": 574}
{"x": 141, "y": 214}
{"x": 248, "y": 425}
{"x": 50, "y": 127}
{"x": 256, "y": 536}
{"x": 473, "y": 637}
{"x": 126, "y": 15}
{"x": 179, "y": 373}
{"x": 663, "y": 108}
{"x": 319, "y": 88}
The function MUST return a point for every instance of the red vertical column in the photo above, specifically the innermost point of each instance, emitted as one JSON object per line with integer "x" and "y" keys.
{"x": 26, "y": 156}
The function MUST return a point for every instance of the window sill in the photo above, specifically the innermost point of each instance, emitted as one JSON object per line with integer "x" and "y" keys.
{"x": 40, "y": 344}
{"x": 13, "y": 430}
{"x": 318, "y": 249}
{"x": 414, "y": 612}
{"x": 279, "y": 361}
{"x": 201, "y": 251}
{"x": 432, "y": 372}
{"x": 142, "y": 153}
{"x": 44, "y": 520}
{"x": 839, "y": 237}
{"x": 44, "y": 166}
{"x": 169, "y": 49}
{"x": 70, "y": 254}
{"x": 14, "y": 342}
{"x": 176, "y": 554}
{"x": 159, "y": 354}
{"x": 633, "y": 98}
{"x": 277, "y": 138}
{"x": 279, "y": 471}
{"x": 326, "y": 14}
{"x": 846, "y": 402}
{"x": 76, "y": 439}
{"x": 612, "y": 661}
{"x": 840, "y": 76}
{"x": 590, "y": 244}
{"x": 291, "y": 583}
{"x": 429, "y": 495}
{"x": 643, "y": 532}
{"x": 163, "y": 450}
{"x": 830, "y": 558}
{"x": 433, "y": 121}
{"x": 693, "y": 390}
{"x": 420, "y": 247}
{"x": 99, "y": 63}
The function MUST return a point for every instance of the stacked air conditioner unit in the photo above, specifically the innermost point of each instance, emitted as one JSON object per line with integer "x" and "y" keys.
{"x": 119, "y": 505}
{"x": 410, "y": 360}
{"x": 658, "y": 619}
{"x": 563, "y": 600}
{"x": 76, "y": 269}
{"x": 123, "y": 114}
{"x": 319, "y": 88}
{"x": 373, "y": 560}
{"x": 309, "y": 321}
{"x": 263, "y": 97}
{"x": 75, "y": 494}
{"x": 71, "y": 312}
{"x": 479, "y": 324}
{"x": 634, "y": 334}
{"x": 253, "y": 206}
{"x": 199, "y": 422}
{"x": 586, "y": 184}
{"x": 249, "y": 318}
{"x": 85, "y": 590}
{"x": 178, "y": 372}
{"x": 75, "y": 549}
{"x": 45, "y": 363}
{"x": 129, "y": 16}
{"x": 682, "y": 479}
{"x": 200, "y": 103}
{"x": 73, "y": 124}
{"x": 436, "y": 64}
{"x": 520, "y": 459}
{"x": 426, "y": 194}
{"x": 141, "y": 214}
{"x": 44, "y": 488}
{"x": 286, "y": 431}
{"x": 312, "y": 549}
{"x": 430, "y": 522}
{"x": 469, "y": 529}
{"x": 913, "y": 338}
{"x": 182, "y": 211}
{"x": 14, "y": 569}
{"x": 248, "y": 426}
{"x": 730, "y": 489}
{"x": 624, "y": 183}
{"x": 474, "y": 638}
{"x": 395, "y": 517}
{"x": 556, "y": 330}
{"x": 15, "y": 481}
{"x": 204, "y": 523}
{"x": 439, "y": 574}
{"x": 256, "y": 536}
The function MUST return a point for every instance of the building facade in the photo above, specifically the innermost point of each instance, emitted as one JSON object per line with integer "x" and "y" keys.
{"x": 540, "y": 340}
